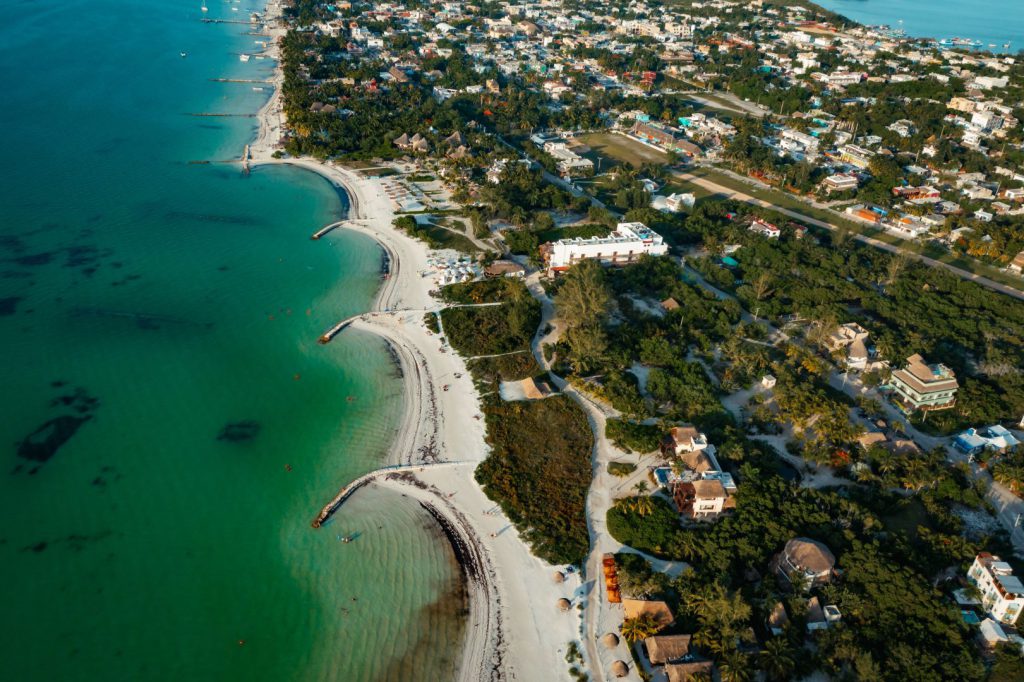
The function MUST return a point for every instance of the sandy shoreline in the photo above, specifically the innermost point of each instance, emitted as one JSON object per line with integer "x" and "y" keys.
{"x": 515, "y": 630}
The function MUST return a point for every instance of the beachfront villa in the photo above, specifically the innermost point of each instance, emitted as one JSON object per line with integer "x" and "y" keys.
{"x": 920, "y": 386}
{"x": 1002, "y": 593}
{"x": 622, "y": 247}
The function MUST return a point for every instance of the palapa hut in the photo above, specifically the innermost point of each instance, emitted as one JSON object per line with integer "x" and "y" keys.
{"x": 808, "y": 559}
{"x": 667, "y": 648}
{"x": 564, "y": 604}
{"x": 610, "y": 641}
{"x": 620, "y": 669}
{"x": 559, "y": 577}
{"x": 684, "y": 672}
{"x": 659, "y": 610}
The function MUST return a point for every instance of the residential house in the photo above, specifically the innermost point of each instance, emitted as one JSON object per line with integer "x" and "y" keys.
{"x": 683, "y": 439}
{"x": 920, "y": 386}
{"x": 852, "y": 338}
{"x": 840, "y": 182}
{"x": 807, "y": 559}
{"x": 701, "y": 499}
{"x": 764, "y": 228}
{"x": 856, "y": 156}
{"x": 678, "y": 202}
{"x": 996, "y": 437}
{"x": 1002, "y": 593}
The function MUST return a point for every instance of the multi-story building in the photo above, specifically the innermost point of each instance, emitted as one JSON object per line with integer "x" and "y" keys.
{"x": 840, "y": 182}
{"x": 920, "y": 386}
{"x": 625, "y": 245}
{"x": 701, "y": 499}
{"x": 856, "y": 156}
{"x": 1002, "y": 593}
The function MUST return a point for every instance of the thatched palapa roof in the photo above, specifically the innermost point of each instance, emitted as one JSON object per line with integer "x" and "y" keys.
{"x": 665, "y": 648}
{"x": 659, "y": 610}
{"x": 684, "y": 672}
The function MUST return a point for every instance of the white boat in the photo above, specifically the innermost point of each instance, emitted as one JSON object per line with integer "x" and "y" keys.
{"x": 256, "y": 88}
{"x": 243, "y": 57}
{"x": 204, "y": 7}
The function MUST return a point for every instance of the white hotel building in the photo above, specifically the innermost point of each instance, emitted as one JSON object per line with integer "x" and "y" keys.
{"x": 625, "y": 245}
{"x": 1002, "y": 593}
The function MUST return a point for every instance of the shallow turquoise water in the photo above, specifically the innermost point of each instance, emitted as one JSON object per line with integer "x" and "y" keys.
{"x": 994, "y": 22}
{"x": 167, "y": 301}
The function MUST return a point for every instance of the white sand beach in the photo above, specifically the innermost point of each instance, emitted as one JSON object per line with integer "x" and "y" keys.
{"x": 516, "y": 631}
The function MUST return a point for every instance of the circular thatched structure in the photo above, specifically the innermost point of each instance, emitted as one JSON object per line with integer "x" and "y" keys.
{"x": 559, "y": 577}
{"x": 611, "y": 640}
{"x": 620, "y": 669}
{"x": 564, "y": 604}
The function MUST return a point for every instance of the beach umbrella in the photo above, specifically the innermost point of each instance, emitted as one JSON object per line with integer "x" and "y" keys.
{"x": 620, "y": 669}
{"x": 564, "y": 604}
{"x": 611, "y": 640}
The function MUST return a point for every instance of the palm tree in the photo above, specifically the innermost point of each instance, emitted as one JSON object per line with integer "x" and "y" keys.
{"x": 641, "y": 487}
{"x": 644, "y": 505}
{"x": 638, "y": 628}
{"x": 735, "y": 667}
{"x": 777, "y": 659}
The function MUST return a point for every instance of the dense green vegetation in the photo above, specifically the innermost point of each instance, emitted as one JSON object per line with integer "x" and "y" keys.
{"x": 492, "y": 329}
{"x": 908, "y": 308}
{"x": 634, "y": 437}
{"x": 539, "y": 472}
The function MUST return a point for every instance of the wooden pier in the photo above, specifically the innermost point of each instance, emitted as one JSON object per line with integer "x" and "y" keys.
{"x": 238, "y": 80}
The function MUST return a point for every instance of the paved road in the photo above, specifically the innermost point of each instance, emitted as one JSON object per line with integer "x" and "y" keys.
{"x": 746, "y": 198}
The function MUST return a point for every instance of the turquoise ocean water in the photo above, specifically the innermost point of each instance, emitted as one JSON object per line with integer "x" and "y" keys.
{"x": 993, "y": 22}
{"x": 158, "y": 321}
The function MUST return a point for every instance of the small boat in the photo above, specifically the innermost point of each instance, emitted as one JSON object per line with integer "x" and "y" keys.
{"x": 204, "y": 8}
{"x": 347, "y": 538}
{"x": 184, "y": 54}
{"x": 257, "y": 89}
{"x": 234, "y": 9}
{"x": 243, "y": 57}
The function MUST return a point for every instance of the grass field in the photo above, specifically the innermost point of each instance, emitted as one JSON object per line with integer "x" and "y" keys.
{"x": 619, "y": 149}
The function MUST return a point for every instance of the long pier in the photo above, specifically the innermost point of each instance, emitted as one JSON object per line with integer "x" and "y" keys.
{"x": 328, "y": 335}
{"x": 358, "y": 483}
{"x": 327, "y": 228}
{"x": 216, "y": 115}
{"x": 238, "y": 80}
{"x": 227, "y": 21}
